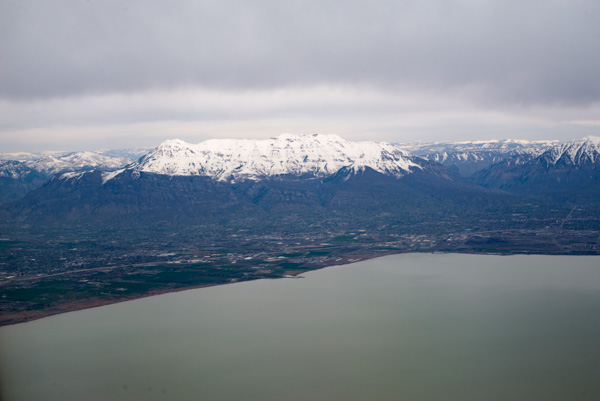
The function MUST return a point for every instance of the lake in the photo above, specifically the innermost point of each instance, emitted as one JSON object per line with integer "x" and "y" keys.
{"x": 403, "y": 327}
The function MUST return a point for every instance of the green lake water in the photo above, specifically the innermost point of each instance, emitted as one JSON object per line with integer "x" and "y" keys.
{"x": 405, "y": 327}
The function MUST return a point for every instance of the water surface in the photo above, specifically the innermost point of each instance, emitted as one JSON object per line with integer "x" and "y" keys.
{"x": 404, "y": 327}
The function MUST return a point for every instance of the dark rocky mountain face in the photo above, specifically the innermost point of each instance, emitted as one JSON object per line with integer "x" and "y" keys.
{"x": 134, "y": 195}
{"x": 130, "y": 195}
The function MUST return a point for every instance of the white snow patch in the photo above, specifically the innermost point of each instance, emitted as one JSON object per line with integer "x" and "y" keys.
{"x": 72, "y": 175}
{"x": 575, "y": 152}
{"x": 110, "y": 175}
{"x": 229, "y": 159}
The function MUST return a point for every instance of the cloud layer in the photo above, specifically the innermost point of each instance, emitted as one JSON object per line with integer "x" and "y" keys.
{"x": 495, "y": 57}
{"x": 501, "y": 50}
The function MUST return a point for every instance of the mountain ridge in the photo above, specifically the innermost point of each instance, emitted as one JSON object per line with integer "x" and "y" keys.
{"x": 469, "y": 157}
{"x": 313, "y": 155}
{"x": 19, "y": 177}
{"x": 567, "y": 169}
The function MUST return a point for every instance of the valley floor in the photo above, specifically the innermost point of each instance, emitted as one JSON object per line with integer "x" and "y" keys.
{"x": 95, "y": 273}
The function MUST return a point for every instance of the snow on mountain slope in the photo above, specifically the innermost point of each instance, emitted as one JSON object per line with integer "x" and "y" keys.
{"x": 584, "y": 153}
{"x": 470, "y": 147}
{"x": 466, "y": 156}
{"x": 82, "y": 160}
{"x": 13, "y": 169}
{"x": 129, "y": 153}
{"x": 77, "y": 161}
{"x": 570, "y": 168}
{"x": 470, "y": 157}
{"x": 28, "y": 156}
{"x": 19, "y": 177}
{"x": 580, "y": 152}
{"x": 317, "y": 155}
{"x": 16, "y": 179}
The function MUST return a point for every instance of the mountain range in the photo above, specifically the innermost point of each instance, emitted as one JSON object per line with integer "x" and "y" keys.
{"x": 565, "y": 170}
{"x": 470, "y": 157}
{"x": 307, "y": 174}
{"x": 17, "y": 177}
{"x": 310, "y": 174}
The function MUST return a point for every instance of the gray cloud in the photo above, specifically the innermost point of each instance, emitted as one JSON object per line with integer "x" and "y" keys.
{"x": 497, "y": 51}
{"x": 147, "y": 118}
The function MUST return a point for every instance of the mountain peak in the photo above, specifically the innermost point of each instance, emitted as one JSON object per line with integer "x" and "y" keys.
{"x": 593, "y": 139}
{"x": 310, "y": 137}
{"x": 578, "y": 152}
{"x": 170, "y": 143}
{"x": 288, "y": 154}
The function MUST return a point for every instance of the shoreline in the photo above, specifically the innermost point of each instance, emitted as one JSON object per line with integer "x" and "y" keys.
{"x": 10, "y": 319}
{"x": 14, "y": 318}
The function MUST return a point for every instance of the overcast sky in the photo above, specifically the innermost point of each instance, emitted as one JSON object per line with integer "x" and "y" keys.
{"x": 106, "y": 74}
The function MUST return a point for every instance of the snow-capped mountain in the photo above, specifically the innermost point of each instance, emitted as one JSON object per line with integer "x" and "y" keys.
{"x": 227, "y": 178}
{"x": 573, "y": 166}
{"x": 19, "y": 177}
{"x": 496, "y": 145}
{"x": 129, "y": 153}
{"x": 28, "y": 156}
{"x": 16, "y": 179}
{"x": 298, "y": 155}
{"x": 470, "y": 157}
{"x": 468, "y": 162}
{"x": 77, "y": 161}
{"x": 582, "y": 152}
{"x": 13, "y": 169}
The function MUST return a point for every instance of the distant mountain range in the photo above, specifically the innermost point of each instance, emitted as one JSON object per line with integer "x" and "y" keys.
{"x": 565, "y": 170}
{"x": 301, "y": 173}
{"x": 470, "y": 157}
{"x": 19, "y": 177}
{"x": 128, "y": 153}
